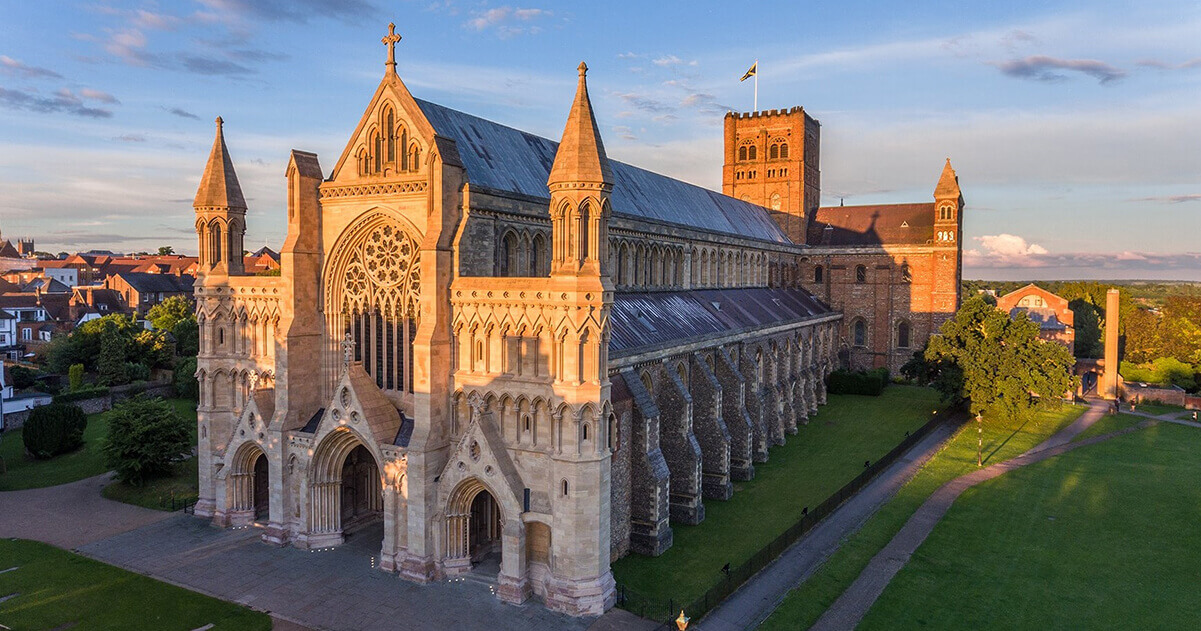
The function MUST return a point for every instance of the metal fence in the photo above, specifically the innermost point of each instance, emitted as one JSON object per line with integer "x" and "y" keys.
{"x": 731, "y": 578}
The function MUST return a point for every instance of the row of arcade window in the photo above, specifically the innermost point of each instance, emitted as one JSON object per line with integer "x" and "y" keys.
{"x": 819, "y": 274}
{"x": 777, "y": 151}
{"x": 859, "y": 334}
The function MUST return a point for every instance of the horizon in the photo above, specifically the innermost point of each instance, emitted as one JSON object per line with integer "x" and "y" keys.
{"x": 1044, "y": 106}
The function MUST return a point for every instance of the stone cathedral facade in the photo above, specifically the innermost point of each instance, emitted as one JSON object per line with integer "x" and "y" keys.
{"x": 500, "y": 349}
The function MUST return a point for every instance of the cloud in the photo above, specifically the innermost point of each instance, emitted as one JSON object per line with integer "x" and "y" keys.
{"x": 1163, "y": 65}
{"x": 672, "y": 60}
{"x": 14, "y": 68}
{"x": 199, "y": 64}
{"x": 1016, "y": 38}
{"x": 1008, "y": 248}
{"x": 504, "y": 19}
{"x": 644, "y": 103}
{"x": 97, "y": 95}
{"x": 292, "y": 10}
{"x": 1043, "y": 68}
{"x": 1088, "y": 265}
{"x": 1169, "y": 199}
{"x": 62, "y": 101}
{"x": 180, "y": 112}
{"x": 131, "y": 138}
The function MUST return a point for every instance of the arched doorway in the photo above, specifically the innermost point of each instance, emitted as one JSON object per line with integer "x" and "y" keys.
{"x": 345, "y": 490}
{"x": 474, "y": 528}
{"x": 362, "y": 498}
{"x": 262, "y": 489}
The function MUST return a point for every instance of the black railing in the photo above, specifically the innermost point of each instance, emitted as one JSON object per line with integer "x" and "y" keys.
{"x": 186, "y": 503}
{"x": 731, "y": 578}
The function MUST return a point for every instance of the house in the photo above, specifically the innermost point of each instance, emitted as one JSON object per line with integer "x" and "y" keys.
{"x": 1056, "y": 321}
{"x": 141, "y": 291}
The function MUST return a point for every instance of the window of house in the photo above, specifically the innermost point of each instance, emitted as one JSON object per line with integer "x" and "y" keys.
{"x": 751, "y": 152}
{"x": 27, "y": 334}
{"x": 784, "y": 151}
{"x": 859, "y": 333}
{"x": 819, "y": 274}
{"x": 903, "y": 335}
{"x": 742, "y": 153}
{"x": 774, "y": 152}
{"x": 861, "y": 274}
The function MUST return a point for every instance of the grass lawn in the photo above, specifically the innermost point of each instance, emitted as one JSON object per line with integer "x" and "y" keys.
{"x": 1109, "y": 423}
{"x": 56, "y": 589}
{"x": 805, "y": 604}
{"x": 1156, "y": 409}
{"x": 157, "y": 493}
{"x": 824, "y": 456}
{"x": 85, "y": 462}
{"x": 1104, "y": 537}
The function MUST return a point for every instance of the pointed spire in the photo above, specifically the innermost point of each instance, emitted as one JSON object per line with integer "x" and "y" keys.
{"x": 948, "y": 182}
{"x": 581, "y": 155}
{"x": 219, "y": 186}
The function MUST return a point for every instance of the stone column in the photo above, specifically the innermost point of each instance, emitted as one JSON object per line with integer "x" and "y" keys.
{"x": 710, "y": 429}
{"x": 755, "y": 405}
{"x": 1109, "y": 388}
{"x": 680, "y": 447}
{"x": 737, "y": 420}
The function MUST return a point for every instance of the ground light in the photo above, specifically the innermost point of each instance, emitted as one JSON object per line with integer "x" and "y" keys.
{"x": 682, "y": 621}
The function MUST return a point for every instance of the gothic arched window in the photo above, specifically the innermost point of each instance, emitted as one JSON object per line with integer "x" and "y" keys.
{"x": 742, "y": 152}
{"x": 507, "y": 265}
{"x": 390, "y": 130}
{"x": 859, "y": 333}
{"x": 861, "y": 274}
{"x": 903, "y": 335}
{"x": 774, "y": 152}
{"x": 751, "y": 153}
{"x": 538, "y": 256}
{"x": 818, "y": 274}
{"x": 784, "y": 153}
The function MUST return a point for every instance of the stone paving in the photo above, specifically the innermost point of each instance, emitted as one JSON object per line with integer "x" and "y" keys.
{"x": 335, "y": 589}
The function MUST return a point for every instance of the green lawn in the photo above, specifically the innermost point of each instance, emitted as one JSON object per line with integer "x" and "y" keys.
{"x": 85, "y": 462}
{"x": 1104, "y": 537}
{"x": 157, "y": 493}
{"x": 56, "y": 589}
{"x": 1155, "y": 409}
{"x": 804, "y": 605}
{"x": 824, "y": 456}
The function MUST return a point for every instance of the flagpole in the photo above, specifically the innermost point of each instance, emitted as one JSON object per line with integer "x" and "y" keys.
{"x": 756, "y": 85}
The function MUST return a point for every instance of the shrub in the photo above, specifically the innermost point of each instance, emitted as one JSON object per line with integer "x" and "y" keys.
{"x": 111, "y": 363}
{"x": 137, "y": 372}
{"x": 868, "y": 382}
{"x": 54, "y": 429}
{"x": 186, "y": 385}
{"x": 22, "y": 377}
{"x": 75, "y": 376}
{"x": 145, "y": 438}
{"x": 81, "y": 394}
{"x": 187, "y": 338}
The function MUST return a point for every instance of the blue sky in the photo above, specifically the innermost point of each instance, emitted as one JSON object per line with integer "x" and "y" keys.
{"x": 1075, "y": 128}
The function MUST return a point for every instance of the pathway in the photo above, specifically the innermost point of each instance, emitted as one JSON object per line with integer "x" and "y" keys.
{"x": 70, "y": 515}
{"x": 853, "y": 604}
{"x": 339, "y": 588}
{"x": 760, "y": 596}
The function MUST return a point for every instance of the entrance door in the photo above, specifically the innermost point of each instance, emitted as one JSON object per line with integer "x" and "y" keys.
{"x": 361, "y": 492}
{"x": 262, "y": 489}
{"x": 485, "y": 527}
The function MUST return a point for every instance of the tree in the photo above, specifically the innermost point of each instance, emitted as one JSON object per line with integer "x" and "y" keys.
{"x": 1088, "y": 328}
{"x": 110, "y": 365}
{"x": 23, "y": 377}
{"x": 166, "y": 314}
{"x": 186, "y": 385}
{"x": 1007, "y": 371}
{"x": 145, "y": 438}
{"x": 166, "y": 250}
{"x": 75, "y": 377}
{"x": 187, "y": 338}
{"x": 53, "y": 429}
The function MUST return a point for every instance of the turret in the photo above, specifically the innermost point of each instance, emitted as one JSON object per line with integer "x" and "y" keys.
{"x": 220, "y": 212}
{"x": 580, "y": 183}
{"x": 948, "y": 205}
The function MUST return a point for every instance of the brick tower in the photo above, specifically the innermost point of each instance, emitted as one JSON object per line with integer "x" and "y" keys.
{"x": 772, "y": 159}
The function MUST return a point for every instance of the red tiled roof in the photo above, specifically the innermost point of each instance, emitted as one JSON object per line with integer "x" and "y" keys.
{"x": 877, "y": 224}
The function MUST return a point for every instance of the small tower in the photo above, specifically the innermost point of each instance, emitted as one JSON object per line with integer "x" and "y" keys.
{"x": 220, "y": 213}
{"x": 948, "y": 206}
{"x": 580, "y": 182}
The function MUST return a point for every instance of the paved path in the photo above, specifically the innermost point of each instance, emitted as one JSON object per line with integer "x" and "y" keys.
{"x": 853, "y": 604}
{"x": 70, "y": 515}
{"x": 758, "y": 597}
{"x": 335, "y": 589}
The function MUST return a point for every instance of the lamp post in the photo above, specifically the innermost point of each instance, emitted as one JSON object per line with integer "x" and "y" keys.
{"x": 682, "y": 621}
{"x": 979, "y": 440}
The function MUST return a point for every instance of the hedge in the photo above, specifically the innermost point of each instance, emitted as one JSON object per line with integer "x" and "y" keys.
{"x": 80, "y": 395}
{"x": 54, "y": 429}
{"x": 868, "y": 382}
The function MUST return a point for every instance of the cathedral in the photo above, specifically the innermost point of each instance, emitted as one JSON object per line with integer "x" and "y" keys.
{"x": 500, "y": 353}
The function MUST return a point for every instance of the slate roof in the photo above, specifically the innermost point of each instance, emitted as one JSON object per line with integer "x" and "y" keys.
{"x": 643, "y": 321}
{"x": 157, "y": 283}
{"x": 509, "y": 160}
{"x": 877, "y": 224}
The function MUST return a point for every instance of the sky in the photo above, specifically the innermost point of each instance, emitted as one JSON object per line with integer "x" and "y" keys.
{"x": 1075, "y": 128}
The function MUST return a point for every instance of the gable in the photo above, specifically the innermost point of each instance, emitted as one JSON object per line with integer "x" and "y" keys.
{"x": 391, "y": 140}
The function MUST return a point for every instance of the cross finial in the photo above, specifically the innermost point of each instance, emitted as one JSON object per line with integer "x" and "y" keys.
{"x": 390, "y": 40}
{"x": 347, "y": 350}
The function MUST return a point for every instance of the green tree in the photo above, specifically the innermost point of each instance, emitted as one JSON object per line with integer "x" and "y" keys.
{"x": 1088, "y": 328}
{"x": 23, "y": 377}
{"x": 167, "y": 313}
{"x": 166, "y": 250}
{"x": 53, "y": 429}
{"x": 155, "y": 349}
{"x": 75, "y": 377}
{"x": 110, "y": 365}
{"x": 187, "y": 338}
{"x": 145, "y": 438}
{"x": 1007, "y": 370}
{"x": 186, "y": 385}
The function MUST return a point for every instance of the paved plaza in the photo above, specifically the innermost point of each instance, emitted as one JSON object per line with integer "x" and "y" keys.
{"x": 335, "y": 589}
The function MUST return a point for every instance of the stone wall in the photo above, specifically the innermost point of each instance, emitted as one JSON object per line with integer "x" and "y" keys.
{"x": 96, "y": 405}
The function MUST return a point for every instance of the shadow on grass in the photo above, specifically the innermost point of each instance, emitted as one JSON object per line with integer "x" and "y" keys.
{"x": 1006, "y": 441}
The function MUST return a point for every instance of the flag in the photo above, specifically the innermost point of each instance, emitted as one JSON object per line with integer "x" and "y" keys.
{"x": 754, "y": 69}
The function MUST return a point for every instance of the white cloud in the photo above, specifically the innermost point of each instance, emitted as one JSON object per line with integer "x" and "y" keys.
{"x": 508, "y": 21}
